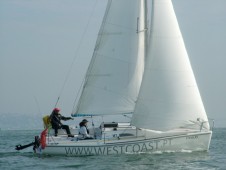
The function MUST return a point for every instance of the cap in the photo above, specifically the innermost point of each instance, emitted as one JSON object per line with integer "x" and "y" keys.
{"x": 56, "y": 109}
{"x": 84, "y": 120}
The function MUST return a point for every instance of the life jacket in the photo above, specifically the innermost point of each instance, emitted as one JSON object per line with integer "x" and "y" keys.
{"x": 46, "y": 121}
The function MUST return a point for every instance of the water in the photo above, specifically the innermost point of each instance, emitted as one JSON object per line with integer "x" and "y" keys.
{"x": 11, "y": 159}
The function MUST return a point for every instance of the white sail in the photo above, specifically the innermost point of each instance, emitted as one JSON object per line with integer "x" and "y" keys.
{"x": 169, "y": 97}
{"x": 115, "y": 72}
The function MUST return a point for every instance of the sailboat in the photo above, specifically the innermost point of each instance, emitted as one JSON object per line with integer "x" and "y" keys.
{"x": 140, "y": 68}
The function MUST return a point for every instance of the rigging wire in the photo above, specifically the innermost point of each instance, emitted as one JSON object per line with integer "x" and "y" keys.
{"x": 76, "y": 98}
{"x": 76, "y": 52}
{"x": 36, "y": 101}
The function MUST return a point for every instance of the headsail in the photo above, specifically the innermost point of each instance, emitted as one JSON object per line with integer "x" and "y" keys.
{"x": 115, "y": 72}
{"x": 169, "y": 97}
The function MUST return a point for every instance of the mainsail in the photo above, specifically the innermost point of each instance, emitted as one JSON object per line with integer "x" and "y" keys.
{"x": 115, "y": 72}
{"x": 169, "y": 97}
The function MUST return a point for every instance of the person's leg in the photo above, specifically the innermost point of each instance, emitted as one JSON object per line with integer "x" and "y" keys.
{"x": 66, "y": 127}
{"x": 56, "y": 131}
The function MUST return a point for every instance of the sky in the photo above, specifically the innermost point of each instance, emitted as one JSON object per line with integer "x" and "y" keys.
{"x": 46, "y": 46}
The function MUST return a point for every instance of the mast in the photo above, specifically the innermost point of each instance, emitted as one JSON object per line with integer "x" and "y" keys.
{"x": 145, "y": 27}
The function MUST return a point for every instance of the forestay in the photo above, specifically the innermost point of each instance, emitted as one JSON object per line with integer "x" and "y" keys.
{"x": 169, "y": 97}
{"x": 115, "y": 72}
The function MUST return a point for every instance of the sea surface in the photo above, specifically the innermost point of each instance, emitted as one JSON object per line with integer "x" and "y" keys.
{"x": 25, "y": 159}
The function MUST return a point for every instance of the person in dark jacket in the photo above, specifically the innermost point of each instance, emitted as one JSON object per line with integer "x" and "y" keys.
{"x": 56, "y": 118}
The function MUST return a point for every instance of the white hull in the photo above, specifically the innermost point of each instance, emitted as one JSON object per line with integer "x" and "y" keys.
{"x": 196, "y": 141}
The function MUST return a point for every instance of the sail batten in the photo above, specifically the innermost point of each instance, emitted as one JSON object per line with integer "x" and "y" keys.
{"x": 169, "y": 97}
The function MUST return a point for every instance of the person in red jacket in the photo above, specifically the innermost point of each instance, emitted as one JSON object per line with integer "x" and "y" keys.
{"x": 56, "y": 118}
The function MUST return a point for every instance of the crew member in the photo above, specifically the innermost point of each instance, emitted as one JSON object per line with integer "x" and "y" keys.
{"x": 84, "y": 131}
{"x": 56, "y": 118}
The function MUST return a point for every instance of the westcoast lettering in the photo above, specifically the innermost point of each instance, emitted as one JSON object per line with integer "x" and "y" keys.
{"x": 119, "y": 149}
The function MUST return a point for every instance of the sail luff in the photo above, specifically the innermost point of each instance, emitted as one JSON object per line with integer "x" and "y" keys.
{"x": 114, "y": 75}
{"x": 169, "y": 97}
{"x": 75, "y": 110}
